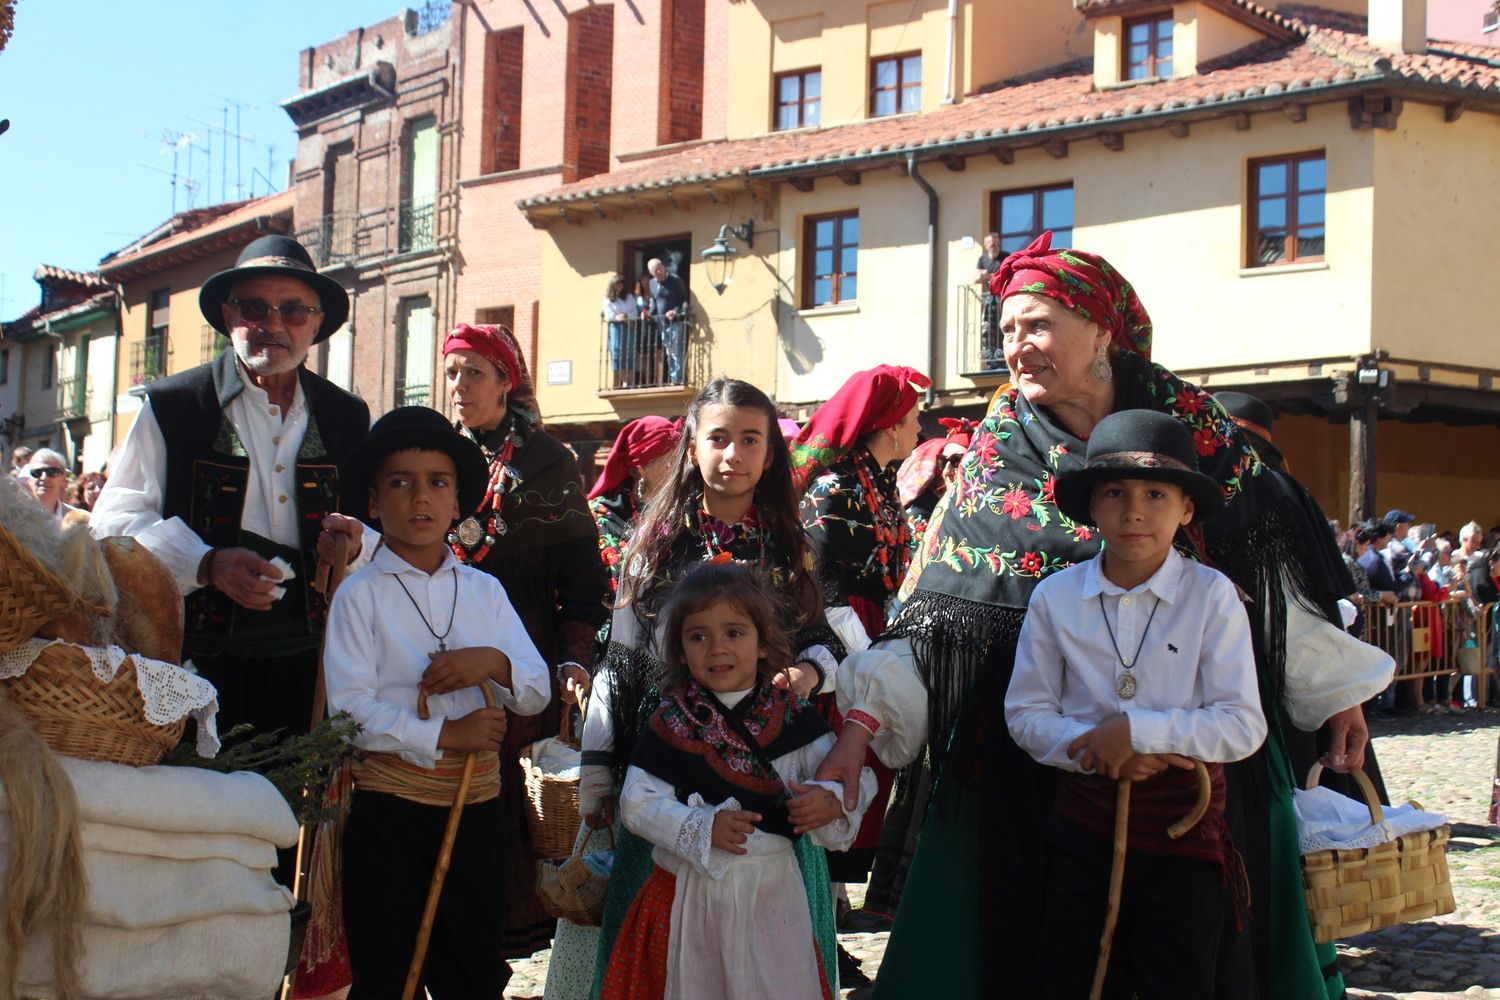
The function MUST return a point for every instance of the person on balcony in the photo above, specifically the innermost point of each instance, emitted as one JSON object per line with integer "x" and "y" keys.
{"x": 991, "y": 356}
{"x": 669, "y": 298}
{"x": 622, "y": 313}
{"x": 236, "y": 462}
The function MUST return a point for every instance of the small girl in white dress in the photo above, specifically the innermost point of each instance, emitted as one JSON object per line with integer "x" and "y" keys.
{"x": 720, "y": 783}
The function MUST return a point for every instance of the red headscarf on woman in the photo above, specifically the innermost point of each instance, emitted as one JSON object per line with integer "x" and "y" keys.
{"x": 922, "y": 467}
{"x": 639, "y": 443}
{"x": 869, "y": 401}
{"x": 1083, "y": 282}
{"x": 497, "y": 345}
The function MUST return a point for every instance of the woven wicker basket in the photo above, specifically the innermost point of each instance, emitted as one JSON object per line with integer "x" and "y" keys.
{"x": 569, "y": 889}
{"x": 1352, "y": 892}
{"x": 551, "y": 803}
{"x": 30, "y": 595}
{"x": 79, "y": 716}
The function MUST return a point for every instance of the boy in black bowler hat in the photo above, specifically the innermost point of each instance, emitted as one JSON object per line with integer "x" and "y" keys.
{"x": 417, "y": 621}
{"x": 1133, "y": 665}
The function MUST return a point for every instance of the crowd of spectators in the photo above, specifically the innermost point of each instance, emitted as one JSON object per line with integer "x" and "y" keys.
{"x": 46, "y": 476}
{"x": 1401, "y": 568}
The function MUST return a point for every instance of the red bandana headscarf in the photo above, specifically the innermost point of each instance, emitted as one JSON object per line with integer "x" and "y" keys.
{"x": 922, "y": 468}
{"x": 1083, "y": 282}
{"x": 869, "y": 401}
{"x": 497, "y": 345}
{"x": 640, "y": 443}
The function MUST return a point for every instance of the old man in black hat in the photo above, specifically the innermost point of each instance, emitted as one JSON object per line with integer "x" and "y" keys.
{"x": 230, "y": 476}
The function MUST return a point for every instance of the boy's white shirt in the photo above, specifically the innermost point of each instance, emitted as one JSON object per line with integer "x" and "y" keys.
{"x": 1196, "y": 690}
{"x": 376, "y": 649}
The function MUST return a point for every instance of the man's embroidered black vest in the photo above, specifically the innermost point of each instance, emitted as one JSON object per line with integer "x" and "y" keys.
{"x": 208, "y": 473}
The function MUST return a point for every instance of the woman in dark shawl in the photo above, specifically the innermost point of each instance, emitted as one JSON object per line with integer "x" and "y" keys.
{"x": 1077, "y": 341}
{"x": 534, "y": 533}
{"x": 640, "y": 458}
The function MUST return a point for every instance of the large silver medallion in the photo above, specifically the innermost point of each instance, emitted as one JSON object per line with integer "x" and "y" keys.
{"x": 1125, "y": 686}
{"x": 470, "y": 531}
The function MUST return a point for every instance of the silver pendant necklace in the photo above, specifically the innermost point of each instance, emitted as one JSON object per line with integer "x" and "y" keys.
{"x": 1125, "y": 686}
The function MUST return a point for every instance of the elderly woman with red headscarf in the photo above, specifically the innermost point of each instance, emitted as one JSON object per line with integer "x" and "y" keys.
{"x": 641, "y": 455}
{"x": 1077, "y": 341}
{"x": 534, "y": 533}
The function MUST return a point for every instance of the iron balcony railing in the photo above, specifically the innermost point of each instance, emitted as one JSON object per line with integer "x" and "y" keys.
{"x": 416, "y": 231}
{"x": 332, "y": 239}
{"x": 73, "y": 395}
{"x": 412, "y": 393}
{"x": 649, "y": 352}
{"x": 211, "y": 344}
{"x": 977, "y": 316}
{"x": 148, "y": 362}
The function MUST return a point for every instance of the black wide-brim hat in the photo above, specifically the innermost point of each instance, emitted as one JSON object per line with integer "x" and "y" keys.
{"x": 412, "y": 428}
{"x": 1256, "y": 419}
{"x": 1138, "y": 444}
{"x": 271, "y": 255}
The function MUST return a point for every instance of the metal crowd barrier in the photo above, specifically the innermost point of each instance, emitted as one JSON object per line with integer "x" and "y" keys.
{"x": 1451, "y": 638}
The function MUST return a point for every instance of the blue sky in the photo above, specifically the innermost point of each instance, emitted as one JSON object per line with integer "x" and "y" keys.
{"x": 92, "y": 87}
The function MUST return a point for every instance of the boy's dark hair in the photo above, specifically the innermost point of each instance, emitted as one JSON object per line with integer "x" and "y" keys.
{"x": 708, "y": 584}
{"x": 672, "y": 510}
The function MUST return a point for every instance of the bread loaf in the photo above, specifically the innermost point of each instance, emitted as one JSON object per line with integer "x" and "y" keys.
{"x": 149, "y": 619}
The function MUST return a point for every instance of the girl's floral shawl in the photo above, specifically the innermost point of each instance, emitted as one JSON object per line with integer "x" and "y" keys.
{"x": 690, "y": 742}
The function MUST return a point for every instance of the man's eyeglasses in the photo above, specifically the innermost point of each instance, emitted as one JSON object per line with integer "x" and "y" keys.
{"x": 293, "y": 314}
{"x": 46, "y": 470}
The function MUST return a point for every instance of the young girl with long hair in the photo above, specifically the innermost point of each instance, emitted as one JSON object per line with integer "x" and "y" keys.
{"x": 729, "y": 498}
{"x": 720, "y": 783}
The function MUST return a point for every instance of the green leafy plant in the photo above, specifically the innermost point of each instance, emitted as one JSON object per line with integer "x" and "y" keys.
{"x": 301, "y": 767}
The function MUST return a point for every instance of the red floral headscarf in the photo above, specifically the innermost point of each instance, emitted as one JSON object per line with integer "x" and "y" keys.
{"x": 869, "y": 401}
{"x": 639, "y": 443}
{"x": 497, "y": 345}
{"x": 1083, "y": 282}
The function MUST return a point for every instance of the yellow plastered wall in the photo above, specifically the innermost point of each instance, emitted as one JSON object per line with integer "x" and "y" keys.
{"x": 185, "y": 324}
{"x": 1435, "y": 290}
{"x": 840, "y": 37}
{"x": 1200, "y": 33}
{"x": 819, "y": 348}
{"x": 1004, "y": 39}
{"x": 737, "y": 328}
{"x": 1108, "y": 35}
{"x": 1428, "y": 469}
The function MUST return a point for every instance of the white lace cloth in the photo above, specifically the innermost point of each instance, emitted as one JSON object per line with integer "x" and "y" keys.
{"x": 1327, "y": 820}
{"x": 168, "y": 692}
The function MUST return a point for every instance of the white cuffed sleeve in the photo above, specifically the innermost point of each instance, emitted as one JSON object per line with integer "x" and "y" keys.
{"x": 649, "y": 809}
{"x": 1033, "y": 702}
{"x": 1327, "y": 669}
{"x": 882, "y": 682}
{"x": 799, "y": 766}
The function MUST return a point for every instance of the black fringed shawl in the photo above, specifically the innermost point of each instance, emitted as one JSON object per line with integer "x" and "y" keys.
{"x": 636, "y": 672}
{"x": 997, "y": 532}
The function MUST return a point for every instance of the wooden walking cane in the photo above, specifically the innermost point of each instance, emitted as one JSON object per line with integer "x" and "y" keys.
{"x": 1117, "y": 862}
{"x": 326, "y": 579}
{"x": 445, "y": 855}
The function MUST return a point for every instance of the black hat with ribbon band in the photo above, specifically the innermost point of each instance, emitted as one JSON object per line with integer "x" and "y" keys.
{"x": 1138, "y": 444}
{"x": 1256, "y": 419}
{"x": 276, "y": 255}
{"x": 412, "y": 428}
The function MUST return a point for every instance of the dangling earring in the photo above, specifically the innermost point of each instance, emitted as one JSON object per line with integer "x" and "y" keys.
{"x": 1103, "y": 371}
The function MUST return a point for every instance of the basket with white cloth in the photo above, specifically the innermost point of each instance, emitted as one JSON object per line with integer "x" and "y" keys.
{"x": 102, "y": 703}
{"x": 551, "y": 768}
{"x": 1365, "y": 867}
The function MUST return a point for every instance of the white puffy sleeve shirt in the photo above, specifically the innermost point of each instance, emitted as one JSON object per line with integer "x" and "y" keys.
{"x": 1196, "y": 691}
{"x": 377, "y": 647}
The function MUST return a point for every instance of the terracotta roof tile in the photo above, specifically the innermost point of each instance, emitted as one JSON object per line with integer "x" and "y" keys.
{"x": 1064, "y": 100}
{"x": 85, "y": 279}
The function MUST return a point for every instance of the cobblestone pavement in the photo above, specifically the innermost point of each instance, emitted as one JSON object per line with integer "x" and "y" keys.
{"x": 1444, "y": 762}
